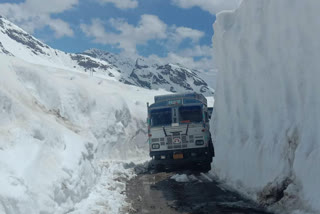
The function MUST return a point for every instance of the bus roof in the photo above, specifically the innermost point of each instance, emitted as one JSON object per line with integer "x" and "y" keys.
{"x": 193, "y": 95}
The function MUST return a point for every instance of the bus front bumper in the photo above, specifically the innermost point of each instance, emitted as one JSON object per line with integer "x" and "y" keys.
{"x": 182, "y": 157}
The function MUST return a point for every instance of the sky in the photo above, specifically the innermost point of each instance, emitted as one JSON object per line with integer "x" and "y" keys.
{"x": 168, "y": 31}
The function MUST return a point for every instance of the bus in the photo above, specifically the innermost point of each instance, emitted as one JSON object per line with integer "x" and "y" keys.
{"x": 179, "y": 131}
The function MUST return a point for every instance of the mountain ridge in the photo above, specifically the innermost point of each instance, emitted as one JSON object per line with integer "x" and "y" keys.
{"x": 141, "y": 72}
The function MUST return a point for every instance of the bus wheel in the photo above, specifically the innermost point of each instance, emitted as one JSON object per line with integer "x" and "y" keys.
{"x": 160, "y": 168}
{"x": 151, "y": 165}
{"x": 206, "y": 167}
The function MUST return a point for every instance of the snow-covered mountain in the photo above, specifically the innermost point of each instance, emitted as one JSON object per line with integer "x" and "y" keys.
{"x": 140, "y": 72}
{"x": 148, "y": 74}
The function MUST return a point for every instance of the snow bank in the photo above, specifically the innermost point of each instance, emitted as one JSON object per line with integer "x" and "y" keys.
{"x": 59, "y": 131}
{"x": 111, "y": 201}
{"x": 267, "y": 109}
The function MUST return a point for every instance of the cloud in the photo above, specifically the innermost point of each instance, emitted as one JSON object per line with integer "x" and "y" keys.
{"x": 176, "y": 35}
{"x": 198, "y": 51}
{"x": 150, "y": 27}
{"x": 49, "y": 6}
{"x": 36, "y": 14}
{"x": 212, "y": 6}
{"x": 186, "y": 57}
{"x": 182, "y": 33}
{"x": 204, "y": 64}
{"x": 128, "y": 36}
{"x": 122, "y": 4}
{"x": 60, "y": 28}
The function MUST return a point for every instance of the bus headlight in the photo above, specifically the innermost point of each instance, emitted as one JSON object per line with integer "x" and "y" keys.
{"x": 199, "y": 142}
{"x": 156, "y": 146}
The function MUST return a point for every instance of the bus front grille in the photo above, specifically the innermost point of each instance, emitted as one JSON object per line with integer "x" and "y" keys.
{"x": 176, "y": 133}
{"x": 184, "y": 139}
{"x": 153, "y": 140}
{"x": 191, "y": 139}
{"x": 162, "y": 141}
{"x": 177, "y": 146}
{"x": 169, "y": 140}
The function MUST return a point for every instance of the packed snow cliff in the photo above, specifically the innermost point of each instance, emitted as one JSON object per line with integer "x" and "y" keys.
{"x": 267, "y": 110}
{"x": 63, "y": 136}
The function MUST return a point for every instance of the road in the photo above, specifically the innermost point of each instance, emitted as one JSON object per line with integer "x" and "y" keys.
{"x": 158, "y": 193}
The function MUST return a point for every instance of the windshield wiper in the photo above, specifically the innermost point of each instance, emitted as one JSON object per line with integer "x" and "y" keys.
{"x": 187, "y": 129}
{"x": 164, "y": 130}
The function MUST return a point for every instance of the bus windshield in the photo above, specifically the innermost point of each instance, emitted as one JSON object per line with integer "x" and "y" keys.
{"x": 161, "y": 117}
{"x": 189, "y": 114}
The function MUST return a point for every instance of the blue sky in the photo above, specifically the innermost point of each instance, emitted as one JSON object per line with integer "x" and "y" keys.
{"x": 177, "y": 31}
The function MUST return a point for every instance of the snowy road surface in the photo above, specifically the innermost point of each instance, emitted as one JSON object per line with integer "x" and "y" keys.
{"x": 184, "y": 192}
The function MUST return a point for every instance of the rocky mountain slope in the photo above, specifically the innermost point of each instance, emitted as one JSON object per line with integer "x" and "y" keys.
{"x": 148, "y": 74}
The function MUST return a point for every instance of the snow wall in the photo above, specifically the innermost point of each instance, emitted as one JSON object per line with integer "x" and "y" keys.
{"x": 63, "y": 137}
{"x": 267, "y": 110}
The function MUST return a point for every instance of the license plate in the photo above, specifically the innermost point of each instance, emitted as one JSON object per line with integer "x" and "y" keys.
{"x": 177, "y": 156}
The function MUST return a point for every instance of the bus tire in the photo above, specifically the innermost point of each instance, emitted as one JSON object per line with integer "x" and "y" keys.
{"x": 160, "y": 168}
{"x": 206, "y": 167}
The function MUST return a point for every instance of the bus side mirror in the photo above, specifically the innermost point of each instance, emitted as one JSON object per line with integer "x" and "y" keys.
{"x": 210, "y": 110}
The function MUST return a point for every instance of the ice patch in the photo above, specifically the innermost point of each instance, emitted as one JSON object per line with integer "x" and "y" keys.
{"x": 183, "y": 178}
